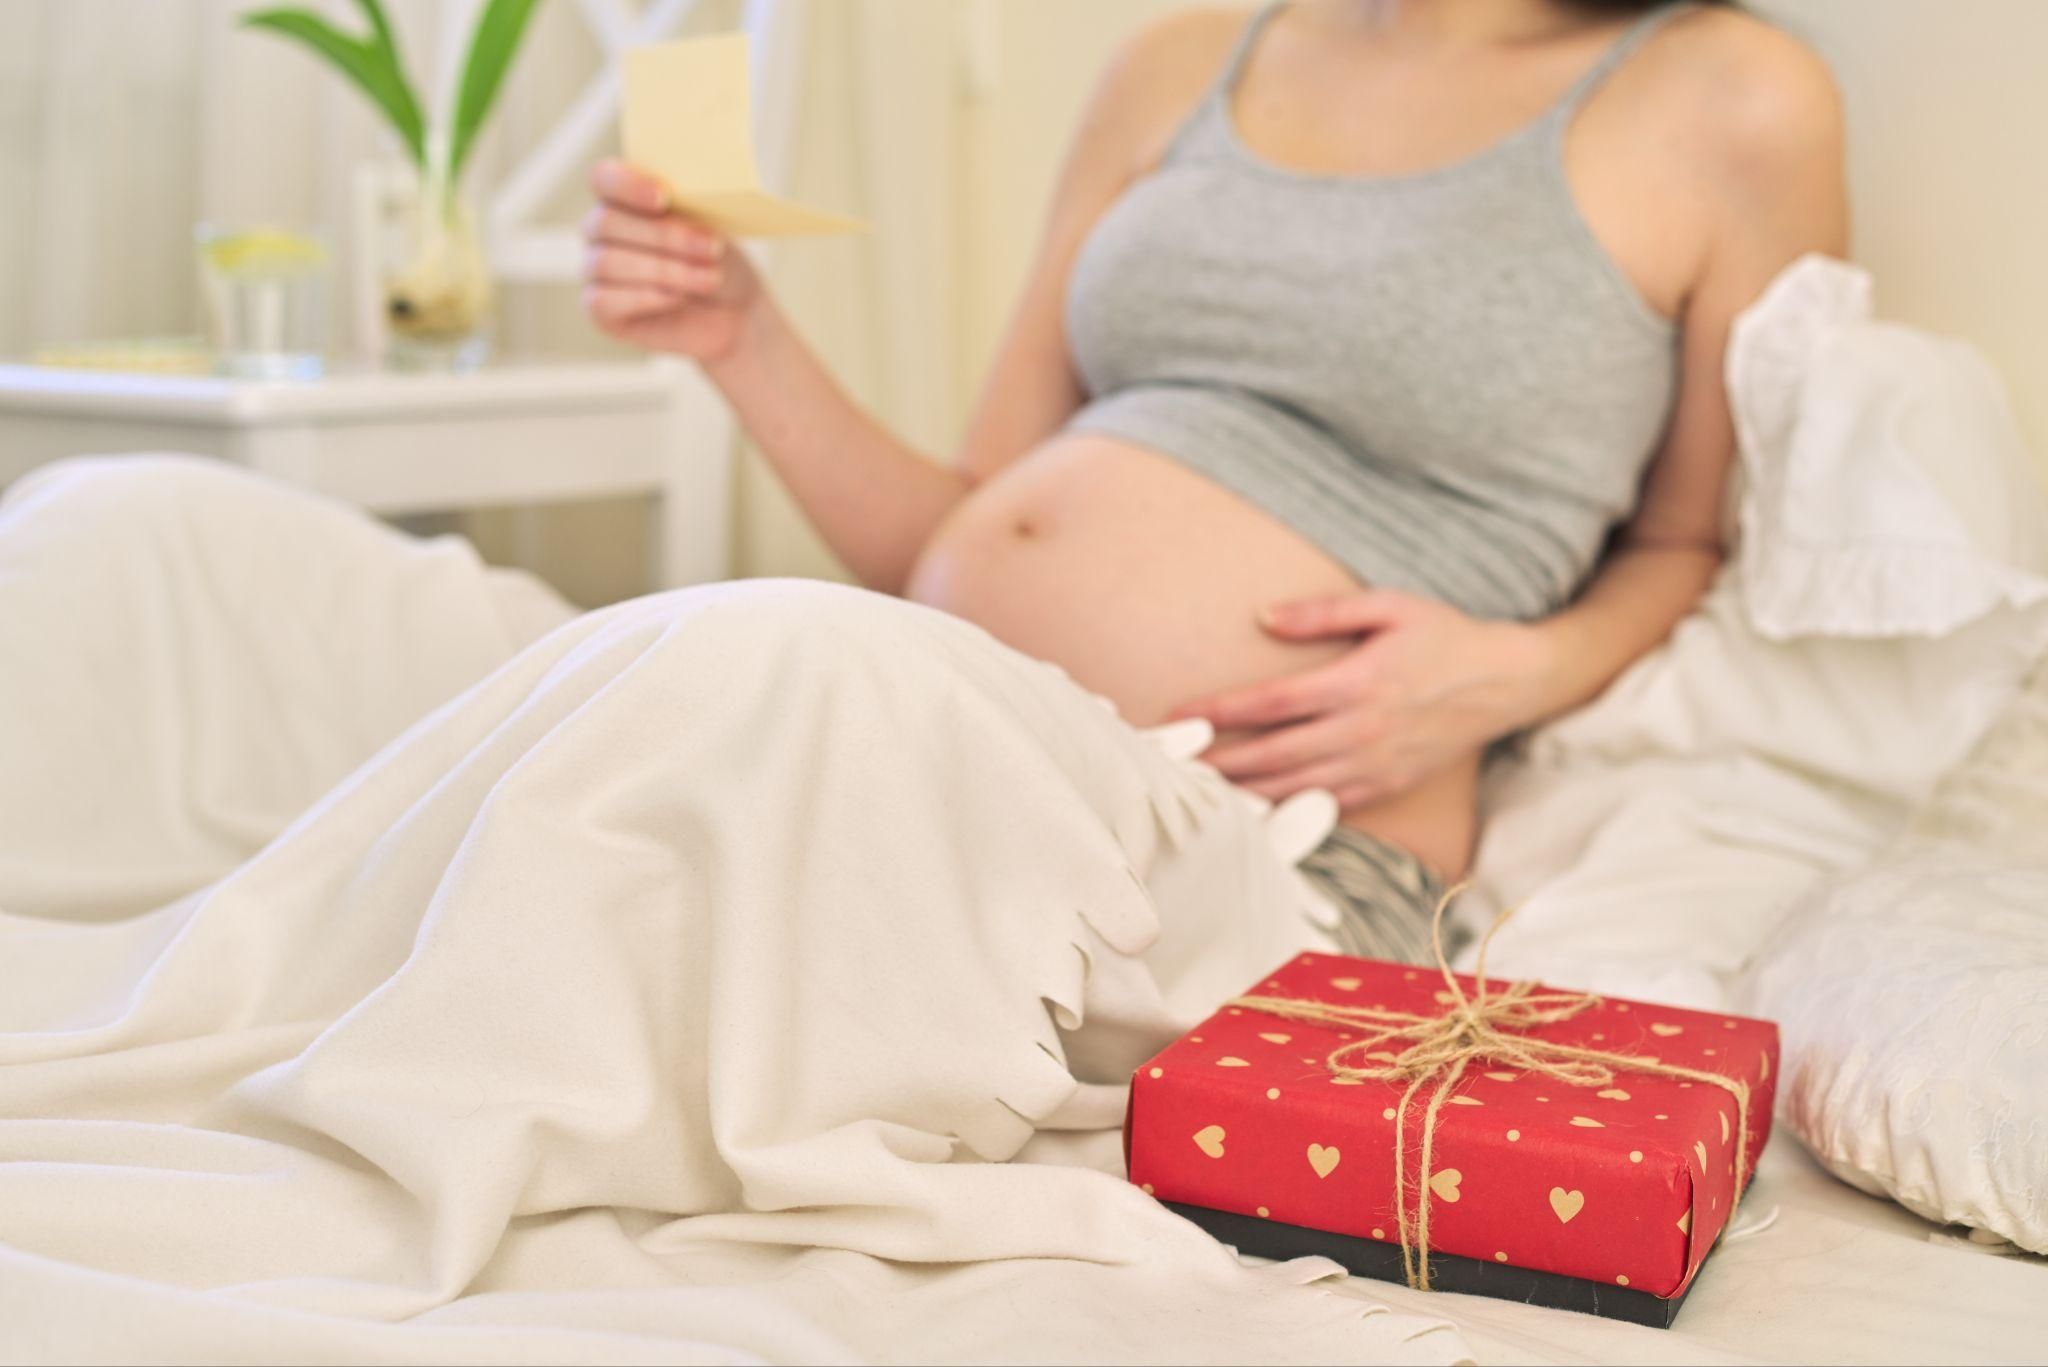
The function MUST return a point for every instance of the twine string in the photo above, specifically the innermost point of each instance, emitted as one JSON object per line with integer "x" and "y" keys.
{"x": 1433, "y": 1052}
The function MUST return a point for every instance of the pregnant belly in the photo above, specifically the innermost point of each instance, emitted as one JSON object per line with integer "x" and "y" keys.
{"x": 1143, "y": 580}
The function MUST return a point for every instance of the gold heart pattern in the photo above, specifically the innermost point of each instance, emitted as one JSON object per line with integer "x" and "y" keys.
{"x": 1253, "y": 1152}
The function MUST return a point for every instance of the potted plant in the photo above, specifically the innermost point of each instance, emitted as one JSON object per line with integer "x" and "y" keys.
{"x": 436, "y": 280}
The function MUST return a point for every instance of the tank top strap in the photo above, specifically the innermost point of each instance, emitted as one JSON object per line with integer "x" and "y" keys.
{"x": 1619, "y": 51}
{"x": 1204, "y": 134}
{"x": 1241, "y": 50}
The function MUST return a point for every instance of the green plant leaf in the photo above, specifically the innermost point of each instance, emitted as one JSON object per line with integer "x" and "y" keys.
{"x": 381, "y": 32}
{"x": 412, "y": 125}
{"x": 371, "y": 63}
{"x": 499, "y": 30}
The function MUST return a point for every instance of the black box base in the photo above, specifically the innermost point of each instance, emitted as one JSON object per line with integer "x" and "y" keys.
{"x": 1447, "y": 1271}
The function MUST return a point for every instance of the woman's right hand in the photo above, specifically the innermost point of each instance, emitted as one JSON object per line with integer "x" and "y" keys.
{"x": 658, "y": 279}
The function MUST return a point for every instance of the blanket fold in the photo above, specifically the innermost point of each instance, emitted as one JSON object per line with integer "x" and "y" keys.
{"x": 702, "y": 953}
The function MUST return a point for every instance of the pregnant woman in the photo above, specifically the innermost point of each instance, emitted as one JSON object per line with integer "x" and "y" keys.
{"x": 1365, "y": 399}
{"x": 650, "y": 993}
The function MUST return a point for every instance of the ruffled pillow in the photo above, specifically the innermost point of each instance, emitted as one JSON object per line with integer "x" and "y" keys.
{"x": 1886, "y": 488}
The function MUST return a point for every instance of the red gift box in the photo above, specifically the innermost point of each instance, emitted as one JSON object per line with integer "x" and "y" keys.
{"x": 1625, "y": 1184}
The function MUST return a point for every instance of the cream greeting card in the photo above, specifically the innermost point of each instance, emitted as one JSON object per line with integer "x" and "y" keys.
{"x": 687, "y": 117}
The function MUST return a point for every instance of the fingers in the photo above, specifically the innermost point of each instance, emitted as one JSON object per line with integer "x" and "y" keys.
{"x": 1314, "y": 618}
{"x": 1277, "y": 700}
{"x": 669, "y": 234}
{"x": 642, "y": 259}
{"x": 618, "y": 305}
{"x": 614, "y": 182}
{"x": 652, "y": 270}
{"x": 1288, "y": 748}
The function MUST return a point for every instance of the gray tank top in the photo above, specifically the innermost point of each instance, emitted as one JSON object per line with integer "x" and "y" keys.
{"x": 1441, "y": 379}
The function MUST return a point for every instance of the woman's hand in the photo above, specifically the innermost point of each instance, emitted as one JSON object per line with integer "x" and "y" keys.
{"x": 1426, "y": 686}
{"x": 657, "y": 279}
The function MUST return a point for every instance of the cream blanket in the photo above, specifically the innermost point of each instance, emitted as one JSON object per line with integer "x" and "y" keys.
{"x": 670, "y": 994}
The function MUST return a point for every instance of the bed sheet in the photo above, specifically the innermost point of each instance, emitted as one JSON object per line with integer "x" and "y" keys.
{"x": 1659, "y": 877}
{"x": 1649, "y": 878}
{"x": 1829, "y": 1275}
{"x": 1818, "y": 1272}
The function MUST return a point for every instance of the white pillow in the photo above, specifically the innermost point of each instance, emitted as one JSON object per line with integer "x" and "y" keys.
{"x": 1887, "y": 490}
{"x": 1912, "y": 998}
{"x": 1889, "y": 588}
{"x": 1885, "y": 601}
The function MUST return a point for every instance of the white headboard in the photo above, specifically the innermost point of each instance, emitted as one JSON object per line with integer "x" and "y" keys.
{"x": 1948, "y": 117}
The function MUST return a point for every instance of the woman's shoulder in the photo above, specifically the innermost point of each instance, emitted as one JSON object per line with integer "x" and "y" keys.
{"x": 1175, "y": 56}
{"x": 1751, "y": 97}
{"x": 1188, "y": 35}
{"x": 1160, "y": 72}
{"x": 1746, "y": 121}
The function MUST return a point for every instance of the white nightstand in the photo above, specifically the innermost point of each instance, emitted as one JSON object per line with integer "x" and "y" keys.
{"x": 397, "y": 444}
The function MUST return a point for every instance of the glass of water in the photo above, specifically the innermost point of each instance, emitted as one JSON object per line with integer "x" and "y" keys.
{"x": 266, "y": 301}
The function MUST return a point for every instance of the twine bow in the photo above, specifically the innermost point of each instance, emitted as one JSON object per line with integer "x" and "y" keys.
{"x": 1482, "y": 1025}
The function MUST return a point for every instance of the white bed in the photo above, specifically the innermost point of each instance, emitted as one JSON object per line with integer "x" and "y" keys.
{"x": 439, "y": 1058}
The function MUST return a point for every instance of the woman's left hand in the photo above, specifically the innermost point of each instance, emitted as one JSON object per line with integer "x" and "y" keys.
{"x": 1426, "y": 686}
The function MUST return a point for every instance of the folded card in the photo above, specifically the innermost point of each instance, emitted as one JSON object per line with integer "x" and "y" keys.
{"x": 687, "y": 118}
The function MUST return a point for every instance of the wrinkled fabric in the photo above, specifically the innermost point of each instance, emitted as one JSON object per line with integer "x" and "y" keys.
{"x": 190, "y": 657}
{"x": 667, "y": 994}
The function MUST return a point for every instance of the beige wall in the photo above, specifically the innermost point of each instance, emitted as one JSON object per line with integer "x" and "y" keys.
{"x": 1948, "y": 168}
{"x": 1031, "y": 65}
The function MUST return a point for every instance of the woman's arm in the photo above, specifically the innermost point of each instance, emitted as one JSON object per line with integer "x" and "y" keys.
{"x": 1771, "y": 156}
{"x": 668, "y": 283}
{"x": 661, "y": 281}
